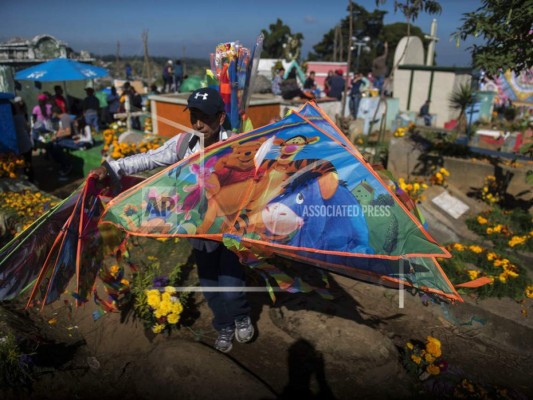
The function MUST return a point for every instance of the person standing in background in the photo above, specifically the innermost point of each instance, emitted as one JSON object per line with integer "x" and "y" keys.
{"x": 356, "y": 94}
{"x": 379, "y": 69}
{"x": 309, "y": 83}
{"x": 336, "y": 85}
{"x": 178, "y": 76}
{"x": 113, "y": 104}
{"x": 168, "y": 76}
{"x": 276, "y": 81}
{"x": 24, "y": 142}
{"x": 58, "y": 98}
{"x": 91, "y": 108}
{"x": 128, "y": 72}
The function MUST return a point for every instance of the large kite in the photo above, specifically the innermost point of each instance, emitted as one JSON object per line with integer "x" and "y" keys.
{"x": 296, "y": 188}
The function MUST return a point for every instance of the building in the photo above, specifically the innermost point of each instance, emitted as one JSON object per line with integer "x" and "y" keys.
{"x": 19, "y": 53}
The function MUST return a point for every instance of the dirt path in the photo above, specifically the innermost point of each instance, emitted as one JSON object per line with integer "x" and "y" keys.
{"x": 306, "y": 347}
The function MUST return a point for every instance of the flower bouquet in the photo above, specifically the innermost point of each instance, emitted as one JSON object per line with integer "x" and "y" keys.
{"x": 156, "y": 301}
{"x": 423, "y": 360}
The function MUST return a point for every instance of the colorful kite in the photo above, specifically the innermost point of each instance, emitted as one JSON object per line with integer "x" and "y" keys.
{"x": 235, "y": 68}
{"x": 298, "y": 189}
{"x": 62, "y": 243}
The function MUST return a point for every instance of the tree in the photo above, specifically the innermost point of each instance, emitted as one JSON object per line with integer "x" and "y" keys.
{"x": 371, "y": 25}
{"x": 460, "y": 99}
{"x": 411, "y": 8}
{"x": 506, "y": 27}
{"x": 274, "y": 41}
{"x": 364, "y": 24}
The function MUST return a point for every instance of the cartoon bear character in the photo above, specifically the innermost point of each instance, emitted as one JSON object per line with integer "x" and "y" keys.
{"x": 232, "y": 175}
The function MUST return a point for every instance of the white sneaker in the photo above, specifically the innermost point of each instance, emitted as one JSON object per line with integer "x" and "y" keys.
{"x": 244, "y": 329}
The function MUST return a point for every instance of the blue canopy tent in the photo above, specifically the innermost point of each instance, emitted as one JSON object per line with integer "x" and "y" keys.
{"x": 61, "y": 70}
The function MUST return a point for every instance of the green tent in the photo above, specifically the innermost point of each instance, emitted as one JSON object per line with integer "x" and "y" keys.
{"x": 193, "y": 82}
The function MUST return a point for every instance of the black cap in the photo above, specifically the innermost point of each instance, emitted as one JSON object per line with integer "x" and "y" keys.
{"x": 207, "y": 100}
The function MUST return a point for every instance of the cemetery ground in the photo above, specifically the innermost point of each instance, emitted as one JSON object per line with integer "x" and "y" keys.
{"x": 360, "y": 344}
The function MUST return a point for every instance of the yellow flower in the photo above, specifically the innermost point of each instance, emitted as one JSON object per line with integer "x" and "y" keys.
{"x": 529, "y": 291}
{"x": 458, "y": 246}
{"x": 409, "y": 345}
{"x": 491, "y": 256}
{"x": 173, "y": 318}
{"x": 517, "y": 240}
{"x": 503, "y": 277}
{"x": 444, "y": 171}
{"x": 164, "y": 307}
{"x": 416, "y": 359}
{"x": 153, "y": 298}
{"x": 170, "y": 289}
{"x": 159, "y": 313}
{"x": 481, "y": 220}
{"x": 429, "y": 358}
{"x": 433, "y": 346}
{"x": 433, "y": 369}
{"x": 511, "y": 273}
{"x": 158, "y": 328}
{"x": 472, "y": 274}
{"x": 165, "y": 296}
{"x": 176, "y": 308}
{"x": 475, "y": 249}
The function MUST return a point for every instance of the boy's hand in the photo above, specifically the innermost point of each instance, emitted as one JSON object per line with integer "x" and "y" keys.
{"x": 100, "y": 172}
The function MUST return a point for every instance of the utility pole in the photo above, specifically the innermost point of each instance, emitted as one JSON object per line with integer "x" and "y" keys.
{"x": 347, "y": 82}
{"x": 146, "y": 73}
{"x": 117, "y": 60}
{"x": 338, "y": 47}
{"x": 183, "y": 48}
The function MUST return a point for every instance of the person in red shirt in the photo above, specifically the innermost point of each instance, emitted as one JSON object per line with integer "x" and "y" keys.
{"x": 58, "y": 98}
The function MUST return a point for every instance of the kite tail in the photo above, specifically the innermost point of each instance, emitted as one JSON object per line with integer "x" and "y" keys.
{"x": 266, "y": 270}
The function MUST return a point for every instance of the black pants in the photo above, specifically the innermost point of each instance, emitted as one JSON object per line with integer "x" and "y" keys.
{"x": 222, "y": 269}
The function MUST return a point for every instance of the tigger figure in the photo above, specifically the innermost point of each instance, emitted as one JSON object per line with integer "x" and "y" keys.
{"x": 274, "y": 175}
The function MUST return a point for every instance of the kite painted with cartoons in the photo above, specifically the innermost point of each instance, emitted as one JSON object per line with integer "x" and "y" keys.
{"x": 297, "y": 189}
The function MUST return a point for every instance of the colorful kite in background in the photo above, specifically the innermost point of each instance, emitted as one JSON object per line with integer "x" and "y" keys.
{"x": 233, "y": 69}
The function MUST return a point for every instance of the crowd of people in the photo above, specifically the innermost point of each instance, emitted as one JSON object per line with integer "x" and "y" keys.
{"x": 287, "y": 87}
{"x": 57, "y": 124}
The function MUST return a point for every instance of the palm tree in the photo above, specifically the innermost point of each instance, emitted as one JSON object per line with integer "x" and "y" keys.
{"x": 460, "y": 99}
